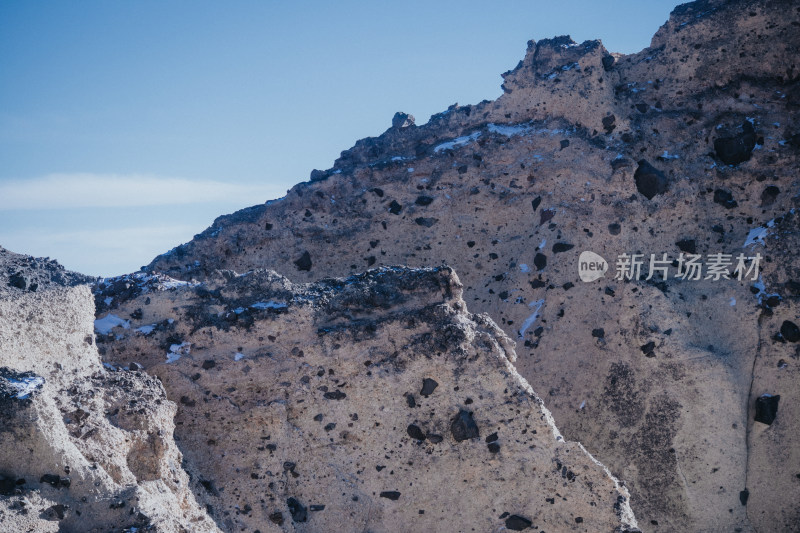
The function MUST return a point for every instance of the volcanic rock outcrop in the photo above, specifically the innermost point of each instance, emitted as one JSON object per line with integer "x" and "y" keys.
{"x": 84, "y": 448}
{"x": 371, "y": 403}
{"x": 690, "y": 146}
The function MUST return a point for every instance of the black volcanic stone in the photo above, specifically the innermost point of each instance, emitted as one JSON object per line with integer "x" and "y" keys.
{"x": 649, "y": 180}
{"x": 423, "y": 200}
{"x": 687, "y": 245}
{"x": 738, "y": 148}
{"x": 743, "y": 496}
{"x": 428, "y": 386}
{"x": 540, "y": 261}
{"x": 464, "y": 427}
{"x": 790, "y": 331}
{"x": 518, "y": 523}
{"x": 394, "y": 207}
{"x": 415, "y": 432}
{"x": 767, "y": 408}
{"x": 304, "y": 262}
{"x": 535, "y": 202}
{"x": 297, "y": 510}
{"x": 614, "y": 228}
{"x": 335, "y": 395}
{"x": 600, "y": 333}
{"x": 725, "y": 199}
{"x": 390, "y": 495}
{"x": 562, "y": 247}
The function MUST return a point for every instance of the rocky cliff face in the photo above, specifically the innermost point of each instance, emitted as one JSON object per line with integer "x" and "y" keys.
{"x": 371, "y": 403}
{"x": 690, "y": 146}
{"x": 376, "y": 401}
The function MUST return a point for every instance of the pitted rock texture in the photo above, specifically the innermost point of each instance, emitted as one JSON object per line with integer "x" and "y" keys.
{"x": 691, "y": 144}
{"x": 22, "y": 273}
{"x": 83, "y": 448}
{"x": 371, "y": 403}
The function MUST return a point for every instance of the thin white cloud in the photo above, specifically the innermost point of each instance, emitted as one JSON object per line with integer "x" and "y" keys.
{"x": 100, "y": 251}
{"x": 58, "y": 191}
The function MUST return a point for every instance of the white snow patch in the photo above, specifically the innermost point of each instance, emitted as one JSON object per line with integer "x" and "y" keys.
{"x": 146, "y": 330}
{"x": 238, "y": 356}
{"x": 107, "y": 323}
{"x": 531, "y": 319}
{"x": 272, "y": 304}
{"x": 583, "y": 404}
{"x": 667, "y": 155}
{"x": 459, "y": 141}
{"x": 541, "y": 244}
{"x": 239, "y": 310}
{"x": 509, "y": 130}
{"x": 108, "y": 300}
{"x": 177, "y": 350}
{"x": 24, "y": 387}
{"x": 524, "y": 268}
{"x": 410, "y": 169}
{"x": 757, "y": 235}
{"x": 733, "y": 301}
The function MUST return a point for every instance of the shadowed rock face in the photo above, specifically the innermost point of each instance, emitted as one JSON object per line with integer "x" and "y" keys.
{"x": 666, "y": 396}
{"x": 371, "y": 403}
{"x": 83, "y": 448}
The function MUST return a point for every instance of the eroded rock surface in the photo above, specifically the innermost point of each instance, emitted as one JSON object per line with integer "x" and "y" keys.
{"x": 371, "y": 403}
{"x": 83, "y": 448}
{"x": 688, "y": 146}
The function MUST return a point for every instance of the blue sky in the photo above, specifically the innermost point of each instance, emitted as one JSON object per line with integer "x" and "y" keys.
{"x": 127, "y": 127}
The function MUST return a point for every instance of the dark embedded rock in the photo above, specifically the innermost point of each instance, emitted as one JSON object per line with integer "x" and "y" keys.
{"x": 56, "y": 480}
{"x": 493, "y": 447}
{"x": 7, "y": 486}
{"x": 415, "y": 432}
{"x": 303, "y": 262}
{"x": 423, "y": 200}
{"x": 390, "y": 495}
{"x": 614, "y": 228}
{"x": 18, "y": 281}
{"x": 725, "y": 199}
{"x": 428, "y": 386}
{"x": 518, "y": 523}
{"x": 335, "y": 395}
{"x": 769, "y": 195}
{"x": 687, "y": 245}
{"x": 55, "y": 512}
{"x": 767, "y": 408}
{"x": 317, "y": 507}
{"x": 410, "y": 400}
{"x": 790, "y": 331}
{"x": 208, "y": 364}
{"x": 649, "y": 180}
{"x": 535, "y": 203}
{"x": 744, "y": 495}
{"x": 608, "y": 62}
{"x": 426, "y": 222}
{"x": 463, "y": 426}
{"x": 276, "y": 518}
{"x": 297, "y": 510}
{"x": 738, "y": 148}
{"x": 394, "y": 207}
{"x": 491, "y": 438}
{"x": 540, "y": 261}
{"x": 648, "y": 348}
{"x": 600, "y": 333}
{"x": 402, "y": 120}
{"x": 435, "y": 439}
{"x": 609, "y": 123}
{"x": 562, "y": 247}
